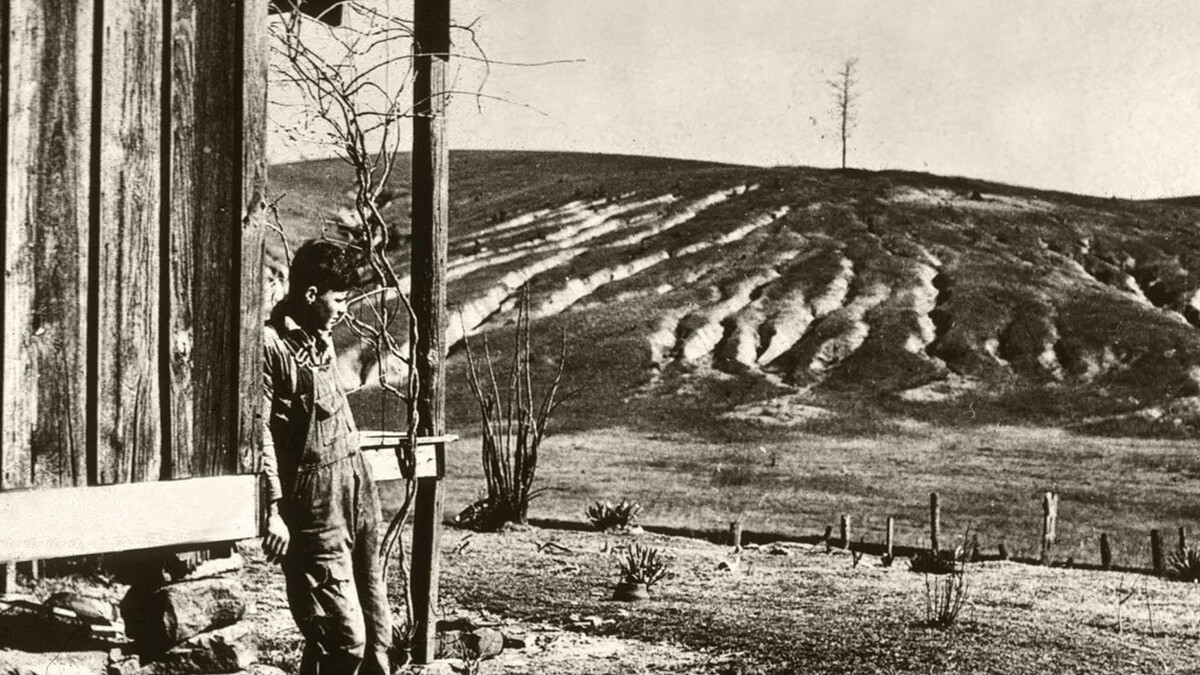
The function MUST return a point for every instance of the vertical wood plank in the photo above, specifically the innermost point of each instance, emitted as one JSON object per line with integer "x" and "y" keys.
{"x": 217, "y": 208}
{"x": 179, "y": 146}
{"x": 1105, "y": 552}
{"x": 5, "y": 10}
{"x": 255, "y": 64}
{"x": 205, "y": 155}
{"x": 128, "y": 408}
{"x": 47, "y": 150}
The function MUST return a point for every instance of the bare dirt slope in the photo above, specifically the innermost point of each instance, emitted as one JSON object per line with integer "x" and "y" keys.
{"x": 722, "y": 286}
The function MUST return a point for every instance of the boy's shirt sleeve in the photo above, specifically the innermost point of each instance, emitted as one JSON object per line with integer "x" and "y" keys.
{"x": 274, "y": 352}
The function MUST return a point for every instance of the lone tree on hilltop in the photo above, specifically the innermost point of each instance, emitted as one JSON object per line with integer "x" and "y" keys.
{"x": 845, "y": 99}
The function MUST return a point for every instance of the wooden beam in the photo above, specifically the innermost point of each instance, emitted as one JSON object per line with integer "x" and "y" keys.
{"x": 430, "y": 233}
{"x": 79, "y": 521}
{"x": 48, "y": 114}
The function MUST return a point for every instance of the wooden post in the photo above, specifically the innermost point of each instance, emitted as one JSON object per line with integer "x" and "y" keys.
{"x": 1156, "y": 552}
{"x": 845, "y": 531}
{"x": 8, "y": 578}
{"x": 1105, "y": 552}
{"x": 1049, "y": 525}
{"x": 1002, "y": 550}
{"x": 735, "y": 535}
{"x": 935, "y": 520}
{"x": 890, "y": 542}
{"x": 430, "y": 232}
{"x": 1183, "y": 542}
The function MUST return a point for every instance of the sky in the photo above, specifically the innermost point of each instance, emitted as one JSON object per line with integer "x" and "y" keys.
{"x": 1093, "y": 96}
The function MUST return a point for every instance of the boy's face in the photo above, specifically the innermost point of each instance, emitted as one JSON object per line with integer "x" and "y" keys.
{"x": 326, "y": 308}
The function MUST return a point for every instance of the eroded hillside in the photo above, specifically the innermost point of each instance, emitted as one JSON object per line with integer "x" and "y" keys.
{"x": 786, "y": 295}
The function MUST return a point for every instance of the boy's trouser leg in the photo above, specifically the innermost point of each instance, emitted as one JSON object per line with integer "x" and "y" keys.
{"x": 324, "y": 601}
{"x": 372, "y": 587}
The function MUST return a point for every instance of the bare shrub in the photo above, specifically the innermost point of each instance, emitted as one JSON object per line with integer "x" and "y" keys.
{"x": 514, "y": 425}
{"x": 643, "y": 565}
{"x": 945, "y": 580}
{"x": 606, "y": 516}
{"x": 944, "y": 596}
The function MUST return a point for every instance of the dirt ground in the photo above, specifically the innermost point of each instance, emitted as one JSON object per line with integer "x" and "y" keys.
{"x": 777, "y": 608}
{"x": 787, "y": 608}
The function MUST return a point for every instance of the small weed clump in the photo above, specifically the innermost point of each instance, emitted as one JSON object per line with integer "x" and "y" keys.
{"x": 1185, "y": 565}
{"x": 643, "y": 565}
{"x": 607, "y": 517}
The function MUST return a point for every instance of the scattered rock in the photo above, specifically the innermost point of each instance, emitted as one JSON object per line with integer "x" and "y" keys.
{"x": 263, "y": 669}
{"x": 461, "y": 624}
{"x": 89, "y": 609}
{"x": 13, "y": 662}
{"x": 228, "y": 650}
{"x": 34, "y": 627}
{"x": 167, "y": 616}
{"x": 481, "y": 643}
{"x": 579, "y": 622}
{"x": 440, "y": 667}
{"x": 211, "y": 568}
{"x": 120, "y": 663}
{"x": 485, "y": 643}
{"x": 515, "y": 642}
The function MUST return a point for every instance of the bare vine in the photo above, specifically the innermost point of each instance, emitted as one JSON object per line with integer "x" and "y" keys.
{"x": 352, "y": 82}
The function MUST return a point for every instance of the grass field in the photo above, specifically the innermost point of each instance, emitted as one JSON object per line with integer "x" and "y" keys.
{"x": 990, "y": 480}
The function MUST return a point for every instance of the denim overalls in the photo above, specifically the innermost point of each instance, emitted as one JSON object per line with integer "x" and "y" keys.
{"x": 331, "y": 508}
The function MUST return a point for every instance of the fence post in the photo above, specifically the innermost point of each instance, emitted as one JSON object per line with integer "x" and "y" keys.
{"x": 735, "y": 535}
{"x": 845, "y": 531}
{"x": 1049, "y": 524}
{"x": 935, "y": 520}
{"x": 1183, "y": 542}
{"x": 1156, "y": 552}
{"x": 890, "y": 542}
{"x": 1105, "y": 552}
{"x": 8, "y": 578}
{"x": 1002, "y": 550}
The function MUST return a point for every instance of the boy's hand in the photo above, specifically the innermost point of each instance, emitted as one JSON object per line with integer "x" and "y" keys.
{"x": 276, "y": 542}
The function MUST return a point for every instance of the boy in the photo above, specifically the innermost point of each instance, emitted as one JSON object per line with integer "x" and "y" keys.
{"x": 323, "y": 512}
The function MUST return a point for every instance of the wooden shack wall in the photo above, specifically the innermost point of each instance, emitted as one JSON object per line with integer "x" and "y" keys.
{"x": 133, "y": 175}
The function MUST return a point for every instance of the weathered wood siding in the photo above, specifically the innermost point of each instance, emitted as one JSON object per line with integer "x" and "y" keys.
{"x": 255, "y": 64}
{"x": 134, "y": 168}
{"x": 47, "y": 106}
